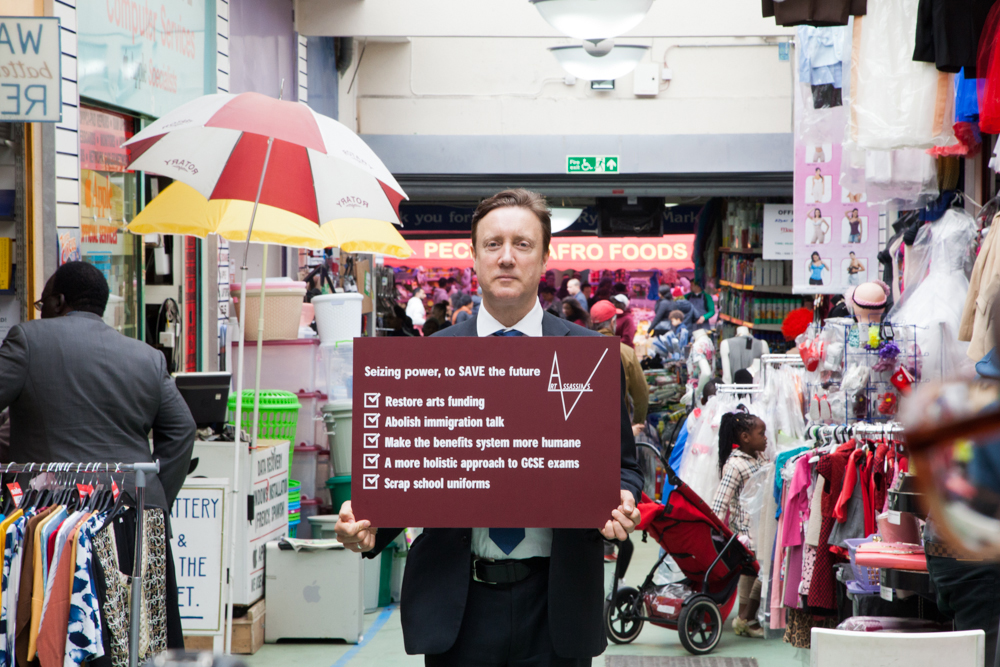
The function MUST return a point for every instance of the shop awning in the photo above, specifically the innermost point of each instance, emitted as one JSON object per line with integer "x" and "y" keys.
{"x": 568, "y": 252}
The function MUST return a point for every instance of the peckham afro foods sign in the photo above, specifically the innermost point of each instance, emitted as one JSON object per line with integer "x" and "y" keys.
{"x": 30, "y": 74}
{"x": 569, "y": 252}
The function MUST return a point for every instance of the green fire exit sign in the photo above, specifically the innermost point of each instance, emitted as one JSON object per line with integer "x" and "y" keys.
{"x": 592, "y": 164}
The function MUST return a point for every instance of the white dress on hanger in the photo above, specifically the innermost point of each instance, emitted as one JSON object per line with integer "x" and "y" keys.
{"x": 935, "y": 303}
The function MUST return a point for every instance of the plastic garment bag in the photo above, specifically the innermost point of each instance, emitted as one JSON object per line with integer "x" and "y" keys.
{"x": 941, "y": 262}
{"x": 896, "y": 102}
{"x": 907, "y": 177}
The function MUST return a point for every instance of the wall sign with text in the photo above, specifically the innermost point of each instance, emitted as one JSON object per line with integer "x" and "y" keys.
{"x": 30, "y": 70}
{"x": 496, "y": 431}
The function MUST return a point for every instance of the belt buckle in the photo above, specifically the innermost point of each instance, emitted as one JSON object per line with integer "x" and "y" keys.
{"x": 475, "y": 577}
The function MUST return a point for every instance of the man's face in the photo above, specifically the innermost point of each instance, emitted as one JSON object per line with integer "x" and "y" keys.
{"x": 572, "y": 288}
{"x": 696, "y": 288}
{"x": 509, "y": 255}
{"x": 51, "y": 303}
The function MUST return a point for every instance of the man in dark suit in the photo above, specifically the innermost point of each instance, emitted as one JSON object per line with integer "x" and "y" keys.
{"x": 81, "y": 392}
{"x": 532, "y": 596}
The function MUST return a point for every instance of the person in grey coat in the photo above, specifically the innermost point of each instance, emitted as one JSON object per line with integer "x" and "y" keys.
{"x": 80, "y": 392}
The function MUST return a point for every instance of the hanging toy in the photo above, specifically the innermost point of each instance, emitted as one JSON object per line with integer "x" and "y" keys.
{"x": 873, "y": 339}
{"x": 887, "y": 355}
{"x": 888, "y": 403}
{"x": 902, "y": 379}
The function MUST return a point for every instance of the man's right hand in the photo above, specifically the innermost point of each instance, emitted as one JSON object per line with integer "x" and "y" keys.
{"x": 358, "y": 536}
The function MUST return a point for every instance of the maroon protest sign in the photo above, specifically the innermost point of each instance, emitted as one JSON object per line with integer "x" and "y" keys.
{"x": 498, "y": 432}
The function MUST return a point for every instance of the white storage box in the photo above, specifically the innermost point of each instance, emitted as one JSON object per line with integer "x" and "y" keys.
{"x": 338, "y": 370}
{"x": 338, "y": 317}
{"x": 310, "y": 429}
{"x": 286, "y": 365}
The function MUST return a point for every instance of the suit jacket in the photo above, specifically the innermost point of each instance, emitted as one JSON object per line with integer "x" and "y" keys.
{"x": 438, "y": 569}
{"x": 79, "y": 391}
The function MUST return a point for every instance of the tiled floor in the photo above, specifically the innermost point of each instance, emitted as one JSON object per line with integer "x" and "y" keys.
{"x": 383, "y": 642}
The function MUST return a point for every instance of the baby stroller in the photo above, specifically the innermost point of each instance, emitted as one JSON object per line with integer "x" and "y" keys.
{"x": 708, "y": 554}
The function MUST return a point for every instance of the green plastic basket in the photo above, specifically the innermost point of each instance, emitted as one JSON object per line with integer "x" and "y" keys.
{"x": 279, "y": 416}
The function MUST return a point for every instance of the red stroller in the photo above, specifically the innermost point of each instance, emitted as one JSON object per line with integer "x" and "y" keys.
{"x": 708, "y": 554}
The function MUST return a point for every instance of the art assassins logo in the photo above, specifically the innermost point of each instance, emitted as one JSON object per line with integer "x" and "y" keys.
{"x": 557, "y": 385}
{"x": 182, "y": 165}
{"x": 352, "y": 202}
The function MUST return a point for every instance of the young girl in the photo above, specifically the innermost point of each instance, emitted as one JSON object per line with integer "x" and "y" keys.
{"x": 742, "y": 441}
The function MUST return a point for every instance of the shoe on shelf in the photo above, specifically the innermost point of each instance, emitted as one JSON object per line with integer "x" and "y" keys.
{"x": 740, "y": 626}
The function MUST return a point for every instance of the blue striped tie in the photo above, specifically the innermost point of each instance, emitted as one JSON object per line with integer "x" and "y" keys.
{"x": 507, "y": 538}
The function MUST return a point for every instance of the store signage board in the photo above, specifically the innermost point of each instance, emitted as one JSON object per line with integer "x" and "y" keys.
{"x": 779, "y": 231}
{"x": 102, "y": 134}
{"x": 592, "y": 164}
{"x": 269, "y": 487}
{"x": 836, "y": 232}
{"x": 569, "y": 252}
{"x": 197, "y": 520}
{"x": 147, "y": 58}
{"x": 495, "y": 431}
{"x": 30, "y": 70}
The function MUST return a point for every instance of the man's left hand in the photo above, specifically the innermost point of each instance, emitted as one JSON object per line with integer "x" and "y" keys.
{"x": 623, "y": 520}
{"x": 701, "y": 320}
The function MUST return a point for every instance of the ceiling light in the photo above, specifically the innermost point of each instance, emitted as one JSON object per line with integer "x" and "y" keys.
{"x": 617, "y": 63}
{"x": 593, "y": 19}
{"x": 563, "y": 218}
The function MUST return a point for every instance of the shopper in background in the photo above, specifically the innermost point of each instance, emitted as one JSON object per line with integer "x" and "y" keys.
{"x": 573, "y": 289}
{"x": 742, "y": 441}
{"x": 547, "y": 297}
{"x": 586, "y": 290}
{"x": 415, "y": 309}
{"x": 672, "y": 345}
{"x": 464, "y": 310}
{"x": 80, "y": 392}
{"x": 671, "y": 299}
{"x": 440, "y": 313}
{"x": 573, "y": 312}
{"x": 703, "y": 305}
{"x": 626, "y": 321}
{"x": 441, "y": 292}
{"x": 603, "y": 292}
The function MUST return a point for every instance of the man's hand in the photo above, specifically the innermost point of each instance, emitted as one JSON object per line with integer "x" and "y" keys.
{"x": 637, "y": 428}
{"x": 358, "y": 536}
{"x": 623, "y": 520}
{"x": 701, "y": 320}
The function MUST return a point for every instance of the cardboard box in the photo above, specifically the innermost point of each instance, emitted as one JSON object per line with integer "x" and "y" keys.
{"x": 248, "y": 631}
{"x": 197, "y": 643}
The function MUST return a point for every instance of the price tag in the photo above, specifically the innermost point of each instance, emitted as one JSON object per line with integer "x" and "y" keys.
{"x": 16, "y": 493}
{"x": 114, "y": 489}
{"x": 885, "y": 593}
{"x": 894, "y": 517}
{"x": 85, "y": 490}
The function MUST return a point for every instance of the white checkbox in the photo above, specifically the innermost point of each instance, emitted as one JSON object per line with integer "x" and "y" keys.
{"x": 370, "y": 482}
{"x": 371, "y": 461}
{"x": 371, "y": 419}
{"x": 371, "y": 440}
{"x": 371, "y": 400}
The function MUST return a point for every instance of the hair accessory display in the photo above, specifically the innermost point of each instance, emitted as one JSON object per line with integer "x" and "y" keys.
{"x": 903, "y": 380}
{"x": 888, "y": 402}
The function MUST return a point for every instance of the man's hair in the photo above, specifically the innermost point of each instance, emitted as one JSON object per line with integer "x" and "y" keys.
{"x": 546, "y": 289}
{"x": 517, "y": 198}
{"x": 83, "y": 286}
{"x": 675, "y": 315}
{"x": 664, "y": 289}
{"x": 440, "y": 305}
{"x": 574, "y": 281}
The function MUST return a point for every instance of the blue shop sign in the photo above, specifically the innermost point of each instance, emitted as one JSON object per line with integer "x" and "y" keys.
{"x": 147, "y": 57}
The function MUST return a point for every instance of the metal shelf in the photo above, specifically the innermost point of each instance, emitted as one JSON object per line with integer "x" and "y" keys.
{"x": 743, "y": 251}
{"x": 750, "y": 325}
{"x": 765, "y": 289}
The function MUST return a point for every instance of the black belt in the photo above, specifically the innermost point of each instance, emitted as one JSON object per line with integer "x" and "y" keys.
{"x": 507, "y": 571}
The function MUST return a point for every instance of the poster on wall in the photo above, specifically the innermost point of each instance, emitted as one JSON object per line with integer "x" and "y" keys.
{"x": 69, "y": 245}
{"x": 147, "y": 58}
{"x": 836, "y": 232}
{"x": 779, "y": 231}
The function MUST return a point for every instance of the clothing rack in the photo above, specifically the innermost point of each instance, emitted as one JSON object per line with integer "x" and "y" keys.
{"x": 858, "y": 428}
{"x": 739, "y": 388}
{"x": 140, "y": 470}
{"x": 766, "y": 360}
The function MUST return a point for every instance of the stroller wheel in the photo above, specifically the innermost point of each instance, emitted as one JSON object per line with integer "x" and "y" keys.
{"x": 620, "y": 616}
{"x": 700, "y": 625}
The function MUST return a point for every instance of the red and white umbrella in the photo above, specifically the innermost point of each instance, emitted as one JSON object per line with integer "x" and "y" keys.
{"x": 217, "y": 144}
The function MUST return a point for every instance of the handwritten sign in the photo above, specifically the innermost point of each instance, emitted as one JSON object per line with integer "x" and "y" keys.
{"x": 30, "y": 70}
{"x": 458, "y": 432}
{"x": 197, "y": 519}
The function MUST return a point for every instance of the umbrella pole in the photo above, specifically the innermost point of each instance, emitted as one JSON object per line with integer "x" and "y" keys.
{"x": 260, "y": 353}
{"x": 238, "y": 453}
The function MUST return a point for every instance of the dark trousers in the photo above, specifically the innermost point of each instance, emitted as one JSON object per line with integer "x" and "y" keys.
{"x": 969, "y": 592}
{"x": 505, "y": 626}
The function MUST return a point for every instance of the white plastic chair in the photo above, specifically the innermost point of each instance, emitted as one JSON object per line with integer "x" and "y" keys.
{"x": 841, "y": 648}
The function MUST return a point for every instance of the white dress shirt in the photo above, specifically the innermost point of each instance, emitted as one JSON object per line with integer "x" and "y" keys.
{"x": 416, "y": 312}
{"x": 537, "y": 541}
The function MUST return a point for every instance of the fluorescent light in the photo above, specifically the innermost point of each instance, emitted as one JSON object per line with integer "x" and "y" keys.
{"x": 617, "y": 63}
{"x": 593, "y": 19}
{"x": 563, "y": 218}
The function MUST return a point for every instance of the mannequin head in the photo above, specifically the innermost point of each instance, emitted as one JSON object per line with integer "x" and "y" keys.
{"x": 867, "y": 301}
{"x": 742, "y": 331}
{"x": 699, "y": 334}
